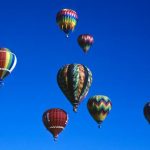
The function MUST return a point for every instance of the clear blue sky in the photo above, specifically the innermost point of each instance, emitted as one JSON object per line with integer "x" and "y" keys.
{"x": 119, "y": 60}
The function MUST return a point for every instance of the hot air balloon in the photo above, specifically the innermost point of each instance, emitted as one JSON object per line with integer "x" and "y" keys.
{"x": 85, "y": 41}
{"x": 74, "y": 80}
{"x": 147, "y": 111}
{"x": 8, "y": 62}
{"x": 99, "y": 107}
{"x": 67, "y": 20}
{"x": 55, "y": 120}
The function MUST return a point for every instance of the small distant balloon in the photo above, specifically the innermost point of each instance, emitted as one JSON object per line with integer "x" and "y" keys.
{"x": 67, "y": 20}
{"x": 85, "y": 41}
{"x": 74, "y": 80}
{"x": 99, "y": 107}
{"x": 147, "y": 111}
{"x": 8, "y": 62}
{"x": 55, "y": 120}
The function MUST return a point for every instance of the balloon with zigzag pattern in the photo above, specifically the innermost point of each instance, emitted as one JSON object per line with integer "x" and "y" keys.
{"x": 99, "y": 107}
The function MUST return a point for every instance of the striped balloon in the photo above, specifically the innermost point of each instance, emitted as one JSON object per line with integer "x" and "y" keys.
{"x": 74, "y": 80}
{"x": 55, "y": 120}
{"x": 8, "y": 62}
{"x": 67, "y": 20}
{"x": 85, "y": 41}
{"x": 99, "y": 107}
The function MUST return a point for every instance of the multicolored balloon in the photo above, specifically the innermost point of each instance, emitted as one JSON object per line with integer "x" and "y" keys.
{"x": 8, "y": 62}
{"x": 67, "y": 20}
{"x": 55, "y": 120}
{"x": 74, "y": 80}
{"x": 99, "y": 107}
{"x": 147, "y": 111}
{"x": 85, "y": 41}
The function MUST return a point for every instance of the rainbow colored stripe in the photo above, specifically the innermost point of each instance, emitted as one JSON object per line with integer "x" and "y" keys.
{"x": 74, "y": 80}
{"x": 99, "y": 107}
{"x": 8, "y": 61}
{"x": 67, "y": 20}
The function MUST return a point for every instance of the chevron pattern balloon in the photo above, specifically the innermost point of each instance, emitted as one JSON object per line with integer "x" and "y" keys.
{"x": 8, "y": 62}
{"x": 67, "y": 20}
{"x": 99, "y": 107}
{"x": 74, "y": 80}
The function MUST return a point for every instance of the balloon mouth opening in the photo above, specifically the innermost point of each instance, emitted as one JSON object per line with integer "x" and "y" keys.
{"x": 66, "y": 32}
{"x": 86, "y": 49}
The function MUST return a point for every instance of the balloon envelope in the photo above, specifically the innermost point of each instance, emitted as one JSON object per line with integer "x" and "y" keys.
{"x": 85, "y": 41}
{"x": 67, "y": 20}
{"x": 55, "y": 120}
{"x": 8, "y": 62}
{"x": 99, "y": 107}
{"x": 147, "y": 111}
{"x": 74, "y": 80}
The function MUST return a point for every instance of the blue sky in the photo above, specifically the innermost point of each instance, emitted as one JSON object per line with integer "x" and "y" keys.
{"x": 119, "y": 61}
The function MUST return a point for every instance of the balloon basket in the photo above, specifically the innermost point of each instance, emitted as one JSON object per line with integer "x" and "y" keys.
{"x": 75, "y": 109}
{"x": 99, "y": 125}
{"x": 67, "y": 35}
{"x": 55, "y": 139}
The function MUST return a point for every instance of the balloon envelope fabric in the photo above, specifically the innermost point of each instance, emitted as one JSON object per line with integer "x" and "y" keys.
{"x": 85, "y": 41}
{"x": 74, "y": 80}
{"x": 99, "y": 107}
{"x": 67, "y": 20}
{"x": 8, "y": 62}
{"x": 147, "y": 111}
{"x": 55, "y": 120}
